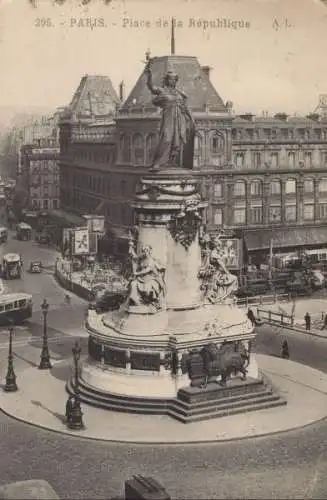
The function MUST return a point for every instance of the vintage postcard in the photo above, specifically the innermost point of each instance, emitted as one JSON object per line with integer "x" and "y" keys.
{"x": 163, "y": 249}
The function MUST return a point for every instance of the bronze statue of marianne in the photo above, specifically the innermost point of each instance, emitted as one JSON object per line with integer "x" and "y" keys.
{"x": 177, "y": 128}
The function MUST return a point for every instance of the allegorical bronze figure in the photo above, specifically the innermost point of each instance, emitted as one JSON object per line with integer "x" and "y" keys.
{"x": 177, "y": 128}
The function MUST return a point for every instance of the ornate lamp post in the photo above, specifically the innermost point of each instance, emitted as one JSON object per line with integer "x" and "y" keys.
{"x": 10, "y": 385}
{"x": 75, "y": 420}
{"x": 45, "y": 363}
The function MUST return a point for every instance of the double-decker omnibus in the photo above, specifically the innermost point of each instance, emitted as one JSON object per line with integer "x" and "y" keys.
{"x": 11, "y": 266}
{"x": 15, "y": 307}
{"x": 3, "y": 234}
{"x": 23, "y": 231}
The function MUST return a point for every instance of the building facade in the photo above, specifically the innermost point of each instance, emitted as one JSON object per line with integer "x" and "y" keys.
{"x": 277, "y": 188}
{"x": 28, "y": 130}
{"x": 88, "y": 148}
{"x": 39, "y": 175}
{"x": 264, "y": 177}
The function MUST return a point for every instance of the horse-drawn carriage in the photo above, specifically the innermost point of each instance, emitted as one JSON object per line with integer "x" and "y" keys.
{"x": 209, "y": 363}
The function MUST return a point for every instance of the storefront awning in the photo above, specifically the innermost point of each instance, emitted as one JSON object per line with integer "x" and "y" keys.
{"x": 73, "y": 219}
{"x": 121, "y": 233}
{"x": 284, "y": 238}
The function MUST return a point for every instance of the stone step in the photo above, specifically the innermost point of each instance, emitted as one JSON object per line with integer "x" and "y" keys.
{"x": 226, "y": 405}
{"x": 221, "y": 403}
{"x": 181, "y": 410}
{"x": 119, "y": 398}
{"x": 107, "y": 404}
{"x": 184, "y": 407}
{"x": 121, "y": 403}
{"x": 253, "y": 406}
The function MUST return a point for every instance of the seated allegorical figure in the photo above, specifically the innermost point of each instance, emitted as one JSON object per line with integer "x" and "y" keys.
{"x": 218, "y": 282}
{"x": 147, "y": 285}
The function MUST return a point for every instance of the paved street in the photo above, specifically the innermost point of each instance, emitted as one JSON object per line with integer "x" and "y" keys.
{"x": 303, "y": 348}
{"x": 61, "y": 317}
{"x": 291, "y": 465}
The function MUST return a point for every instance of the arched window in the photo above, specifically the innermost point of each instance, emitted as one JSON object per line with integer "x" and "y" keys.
{"x": 239, "y": 188}
{"x": 150, "y": 147}
{"x": 138, "y": 149}
{"x": 275, "y": 188}
{"x": 217, "y": 143}
{"x": 256, "y": 188}
{"x": 126, "y": 152}
{"x": 99, "y": 184}
{"x": 290, "y": 186}
{"x": 122, "y": 187}
{"x": 121, "y": 144}
{"x": 197, "y": 150}
{"x": 323, "y": 186}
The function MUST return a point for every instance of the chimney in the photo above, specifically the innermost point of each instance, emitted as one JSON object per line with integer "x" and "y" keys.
{"x": 121, "y": 91}
{"x": 281, "y": 116}
{"x": 229, "y": 107}
{"x": 89, "y": 96}
{"x": 247, "y": 116}
{"x": 206, "y": 70}
{"x": 314, "y": 116}
{"x": 172, "y": 38}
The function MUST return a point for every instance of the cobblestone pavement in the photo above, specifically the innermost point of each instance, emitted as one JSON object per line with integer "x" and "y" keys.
{"x": 288, "y": 465}
{"x": 291, "y": 465}
{"x": 282, "y": 466}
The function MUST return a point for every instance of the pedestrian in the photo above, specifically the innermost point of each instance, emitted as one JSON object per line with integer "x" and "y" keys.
{"x": 307, "y": 319}
{"x": 251, "y": 316}
{"x": 285, "y": 350}
{"x": 324, "y": 326}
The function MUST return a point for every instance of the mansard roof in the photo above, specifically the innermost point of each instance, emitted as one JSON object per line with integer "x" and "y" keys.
{"x": 275, "y": 120}
{"x": 94, "y": 97}
{"x": 193, "y": 81}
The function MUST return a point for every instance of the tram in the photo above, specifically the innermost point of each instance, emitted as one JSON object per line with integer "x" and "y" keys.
{"x": 15, "y": 308}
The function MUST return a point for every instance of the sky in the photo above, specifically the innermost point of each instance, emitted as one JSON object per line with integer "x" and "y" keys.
{"x": 272, "y": 59}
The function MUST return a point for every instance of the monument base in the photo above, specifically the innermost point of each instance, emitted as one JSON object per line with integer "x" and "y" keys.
{"x": 133, "y": 371}
{"x": 192, "y": 404}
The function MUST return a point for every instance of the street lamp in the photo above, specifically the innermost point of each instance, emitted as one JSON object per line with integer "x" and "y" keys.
{"x": 45, "y": 363}
{"x": 75, "y": 420}
{"x": 10, "y": 385}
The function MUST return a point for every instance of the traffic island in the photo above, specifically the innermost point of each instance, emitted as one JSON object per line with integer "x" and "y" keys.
{"x": 303, "y": 387}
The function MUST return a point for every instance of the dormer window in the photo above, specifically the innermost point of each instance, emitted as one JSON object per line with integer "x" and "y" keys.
{"x": 197, "y": 150}
{"x": 217, "y": 144}
{"x": 267, "y": 133}
{"x": 138, "y": 148}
